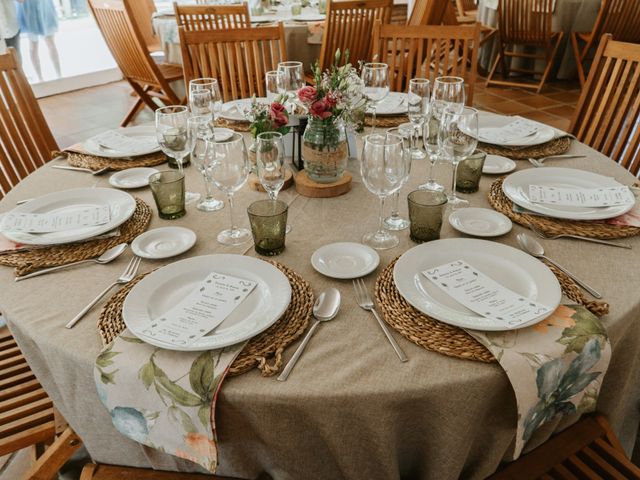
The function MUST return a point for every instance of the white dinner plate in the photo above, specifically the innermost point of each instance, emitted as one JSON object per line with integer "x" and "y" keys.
{"x": 163, "y": 242}
{"x": 492, "y": 121}
{"x": 141, "y": 132}
{"x": 132, "y": 177}
{"x": 158, "y": 292}
{"x": 506, "y": 265}
{"x": 516, "y": 188}
{"x": 345, "y": 260}
{"x": 393, "y": 104}
{"x": 222, "y": 134}
{"x": 238, "y": 110}
{"x": 309, "y": 17}
{"x": 121, "y": 206}
{"x": 497, "y": 165}
{"x": 265, "y": 19}
{"x": 480, "y": 222}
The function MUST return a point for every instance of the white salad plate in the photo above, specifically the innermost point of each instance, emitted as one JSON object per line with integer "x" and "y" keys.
{"x": 516, "y": 188}
{"x": 163, "y": 242}
{"x": 132, "y": 177}
{"x": 513, "y": 268}
{"x": 487, "y": 123}
{"x": 345, "y": 260}
{"x": 161, "y": 290}
{"x": 393, "y": 104}
{"x": 142, "y": 132}
{"x": 121, "y": 207}
{"x": 238, "y": 110}
{"x": 497, "y": 165}
{"x": 480, "y": 222}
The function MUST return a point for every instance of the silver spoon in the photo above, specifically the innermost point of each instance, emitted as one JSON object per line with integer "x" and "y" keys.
{"x": 533, "y": 247}
{"x": 325, "y": 309}
{"x": 106, "y": 257}
{"x": 82, "y": 169}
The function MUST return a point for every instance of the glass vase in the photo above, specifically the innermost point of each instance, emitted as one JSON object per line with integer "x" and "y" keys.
{"x": 324, "y": 150}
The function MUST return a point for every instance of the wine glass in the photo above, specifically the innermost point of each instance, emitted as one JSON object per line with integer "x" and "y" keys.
{"x": 384, "y": 169}
{"x": 229, "y": 169}
{"x": 458, "y": 138}
{"x": 448, "y": 92}
{"x": 270, "y": 164}
{"x": 418, "y": 99}
{"x": 376, "y": 85}
{"x": 395, "y": 221}
{"x": 274, "y": 81}
{"x": 201, "y": 103}
{"x": 201, "y": 132}
{"x": 292, "y": 80}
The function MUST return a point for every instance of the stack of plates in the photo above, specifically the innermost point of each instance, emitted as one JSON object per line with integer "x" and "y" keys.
{"x": 92, "y": 147}
{"x": 237, "y": 110}
{"x": 490, "y": 123}
{"x": 393, "y": 104}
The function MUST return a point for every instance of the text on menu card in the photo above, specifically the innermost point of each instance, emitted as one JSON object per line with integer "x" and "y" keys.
{"x": 581, "y": 197}
{"x": 69, "y": 219}
{"x": 201, "y": 311}
{"x": 484, "y": 296}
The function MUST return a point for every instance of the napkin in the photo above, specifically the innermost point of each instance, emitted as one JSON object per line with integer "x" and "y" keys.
{"x": 316, "y": 31}
{"x": 484, "y": 117}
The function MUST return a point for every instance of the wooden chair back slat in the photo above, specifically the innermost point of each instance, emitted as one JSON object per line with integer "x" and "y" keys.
{"x": 428, "y": 51}
{"x": 433, "y": 12}
{"x": 26, "y": 142}
{"x": 525, "y": 21}
{"x": 212, "y": 17}
{"x": 239, "y": 58}
{"x": 348, "y": 26}
{"x": 141, "y": 14}
{"x": 608, "y": 113}
{"x": 620, "y": 18}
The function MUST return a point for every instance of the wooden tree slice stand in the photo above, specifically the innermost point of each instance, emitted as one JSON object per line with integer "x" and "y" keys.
{"x": 308, "y": 188}
{"x": 254, "y": 181}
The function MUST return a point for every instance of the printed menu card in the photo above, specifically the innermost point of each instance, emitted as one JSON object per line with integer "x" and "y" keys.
{"x": 201, "y": 311}
{"x": 516, "y": 130}
{"x": 581, "y": 197}
{"x": 483, "y": 295}
{"x": 68, "y": 219}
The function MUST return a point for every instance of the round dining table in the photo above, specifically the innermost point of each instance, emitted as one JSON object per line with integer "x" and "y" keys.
{"x": 350, "y": 409}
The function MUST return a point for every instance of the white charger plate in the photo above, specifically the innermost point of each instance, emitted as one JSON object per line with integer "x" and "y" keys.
{"x": 163, "y": 242}
{"x": 121, "y": 205}
{"x": 497, "y": 164}
{"x": 345, "y": 260}
{"x": 480, "y": 222}
{"x": 392, "y": 104}
{"x": 142, "y": 131}
{"x": 158, "y": 292}
{"x": 516, "y": 188}
{"x": 493, "y": 121}
{"x": 506, "y": 265}
{"x": 235, "y": 109}
{"x": 132, "y": 177}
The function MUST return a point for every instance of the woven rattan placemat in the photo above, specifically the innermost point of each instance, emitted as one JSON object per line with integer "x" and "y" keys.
{"x": 557, "y": 226}
{"x": 92, "y": 162}
{"x": 269, "y": 344}
{"x": 386, "y": 121}
{"x": 234, "y": 125}
{"x": 554, "y": 147}
{"x": 27, "y": 262}
{"x": 441, "y": 337}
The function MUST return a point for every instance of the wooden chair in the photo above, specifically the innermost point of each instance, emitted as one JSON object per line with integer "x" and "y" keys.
{"x": 525, "y": 23}
{"x": 620, "y": 18}
{"x": 123, "y": 37}
{"x": 141, "y": 14}
{"x": 399, "y": 14}
{"x": 26, "y": 142}
{"x": 467, "y": 11}
{"x": 587, "y": 450}
{"x": 27, "y": 416}
{"x": 212, "y": 17}
{"x": 428, "y": 51}
{"x": 348, "y": 26}
{"x": 607, "y": 117}
{"x": 238, "y": 58}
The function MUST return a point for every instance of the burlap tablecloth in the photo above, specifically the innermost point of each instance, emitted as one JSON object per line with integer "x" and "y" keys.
{"x": 350, "y": 409}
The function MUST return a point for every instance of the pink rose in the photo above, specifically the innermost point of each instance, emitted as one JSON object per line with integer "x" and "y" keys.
{"x": 307, "y": 94}
{"x": 278, "y": 114}
{"x": 319, "y": 109}
{"x": 330, "y": 100}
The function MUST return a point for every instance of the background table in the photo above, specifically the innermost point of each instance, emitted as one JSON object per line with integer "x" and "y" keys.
{"x": 350, "y": 409}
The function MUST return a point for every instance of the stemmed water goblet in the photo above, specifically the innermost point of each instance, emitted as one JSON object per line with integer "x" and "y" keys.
{"x": 201, "y": 131}
{"x": 274, "y": 82}
{"x": 205, "y": 97}
{"x": 229, "y": 169}
{"x": 449, "y": 92}
{"x": 395, "y": 221}
{"x": 418, "y": 100}
{"x": 375, "y": 76}
{"x": 384, "y": 168}
{"x": 458, "y": 138}
{"x": 270, "y": 164}
{"x": 291, "y": 80}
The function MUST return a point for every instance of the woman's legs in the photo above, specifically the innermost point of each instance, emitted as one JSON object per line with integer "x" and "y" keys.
{"x": 35, "y": 57}
{"x": 53, "y": 53}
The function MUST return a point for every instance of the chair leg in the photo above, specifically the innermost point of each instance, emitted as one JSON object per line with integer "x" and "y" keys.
{"x": 132, "y": 113}
{"x": 576, "y": 53}
{"x": 52, "y": 460}
{"x": 493, "y": 69}
{"x": 552, "y": 56}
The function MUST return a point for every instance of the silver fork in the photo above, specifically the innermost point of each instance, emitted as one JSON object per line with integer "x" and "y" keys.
{"x": 82, "y": 169}
{"x": 540, "y": 161}
{"x": 128, "y": 275}
{"x": 547, "y": 236}
{"x": 364, "y": 301}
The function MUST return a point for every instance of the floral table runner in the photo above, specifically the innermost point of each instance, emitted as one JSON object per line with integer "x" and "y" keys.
{"x": 555, "y": 367}
{"x": 162, "y": 398}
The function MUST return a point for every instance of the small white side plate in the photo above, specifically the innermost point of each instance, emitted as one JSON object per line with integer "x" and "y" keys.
{"x": 345, "y": 260}
{"x": 222, "y": 134}
{"x": 132, "y": 177}
{"x": 480, "y": 222}
{"x": 497, "y": 164}
{"x": 163, "y": 242}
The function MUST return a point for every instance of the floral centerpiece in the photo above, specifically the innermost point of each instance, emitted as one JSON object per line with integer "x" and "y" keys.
{"x": 265, "y": 117}
{"x": 334, "y": 104}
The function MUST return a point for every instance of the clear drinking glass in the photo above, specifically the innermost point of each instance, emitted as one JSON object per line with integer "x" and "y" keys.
{"x": 274, "y": 81}
{"x": 375, "y": 76}
{"x": 201, "y": 133}
{"x": 270, "y": 163}
{"x": 292, "y": 80}
{"x": 384, "y": 169}
{"x": 229, "y": 169}
{"x": 200, "y": 103}
{"x": 458, "y": 138}
{"x": 449, "y": 91}
{"x": 418, "y": 100}
{"x": 395, "y": 221}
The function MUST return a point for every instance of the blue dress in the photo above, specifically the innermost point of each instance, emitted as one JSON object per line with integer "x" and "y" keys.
{"x": 37, "y": 18}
